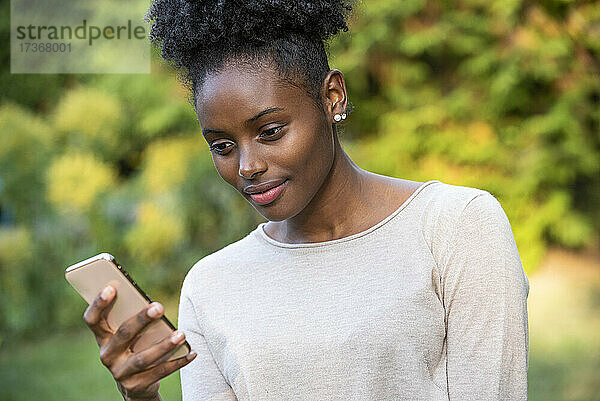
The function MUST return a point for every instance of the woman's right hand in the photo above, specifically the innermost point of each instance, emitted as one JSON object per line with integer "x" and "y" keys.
{"x": 135, "y": 379}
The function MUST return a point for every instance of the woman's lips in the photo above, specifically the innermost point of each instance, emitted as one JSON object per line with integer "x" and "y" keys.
{"x": 269, "y": 196}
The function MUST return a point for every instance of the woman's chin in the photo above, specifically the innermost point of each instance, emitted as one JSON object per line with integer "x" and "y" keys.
{"x": 271, "y": 214}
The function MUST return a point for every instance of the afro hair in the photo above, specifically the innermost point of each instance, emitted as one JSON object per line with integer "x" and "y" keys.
{"x": 199, "y": 36}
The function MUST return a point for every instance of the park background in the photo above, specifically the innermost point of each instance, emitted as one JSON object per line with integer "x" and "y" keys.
{"x": 503, "y": 96}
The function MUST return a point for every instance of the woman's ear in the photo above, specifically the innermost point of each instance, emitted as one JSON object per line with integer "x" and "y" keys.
{"x": 336, "y": 98}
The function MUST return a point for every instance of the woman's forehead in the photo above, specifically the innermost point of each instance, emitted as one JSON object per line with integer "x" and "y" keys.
{"x": 234, "y": 80}
{"x": 242, "y": 90}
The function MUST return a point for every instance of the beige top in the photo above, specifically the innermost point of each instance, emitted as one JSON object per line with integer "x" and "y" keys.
{"x": 428, "y": 304}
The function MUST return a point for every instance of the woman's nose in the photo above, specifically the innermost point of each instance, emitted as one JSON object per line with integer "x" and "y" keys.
{"x": 250, "y": 164}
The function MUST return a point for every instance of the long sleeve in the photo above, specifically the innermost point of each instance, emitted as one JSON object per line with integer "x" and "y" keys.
{"x": 485, "y": 299}
{"x": 201, "y": 379}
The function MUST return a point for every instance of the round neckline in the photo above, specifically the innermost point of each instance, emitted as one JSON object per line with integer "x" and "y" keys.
{"x": 262, "y": 233}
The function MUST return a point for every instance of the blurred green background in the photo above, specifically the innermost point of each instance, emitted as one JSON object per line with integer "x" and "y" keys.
{"x": 503, "y": 96}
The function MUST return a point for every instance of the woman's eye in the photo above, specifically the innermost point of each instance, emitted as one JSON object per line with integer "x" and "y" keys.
{"x": 269, "y": 134}
{"x": 221, "y": 148}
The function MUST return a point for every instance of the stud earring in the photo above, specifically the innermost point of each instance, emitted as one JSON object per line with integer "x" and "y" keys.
{"x": 337, "y": 117}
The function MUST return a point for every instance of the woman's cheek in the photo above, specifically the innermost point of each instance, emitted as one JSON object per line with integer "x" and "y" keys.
{"x": 225, "y": 169}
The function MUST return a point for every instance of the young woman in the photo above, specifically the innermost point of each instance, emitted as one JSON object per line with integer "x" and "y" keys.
{"x": 360, "y": 286}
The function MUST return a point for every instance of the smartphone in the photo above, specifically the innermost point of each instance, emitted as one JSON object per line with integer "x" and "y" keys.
{"x": 90, "y": 276}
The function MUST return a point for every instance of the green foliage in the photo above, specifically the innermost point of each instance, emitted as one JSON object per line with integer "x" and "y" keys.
{"x": 107, "y": 169}
{"x": 24, "y": 152}
{"x": 503, "y": 96}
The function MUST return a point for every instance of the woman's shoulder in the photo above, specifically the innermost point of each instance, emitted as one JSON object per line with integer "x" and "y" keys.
{"x": 449, "y": 207}
{"x": 452, "y": 196}
{"x": 445, "y": 202}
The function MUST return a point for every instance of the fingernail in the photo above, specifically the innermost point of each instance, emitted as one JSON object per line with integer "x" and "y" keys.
{"x": 107, "y": 293}
{"x": 155, "y": 310}
{"x": 176, "y": 337}
{"x": 190, "y": 356}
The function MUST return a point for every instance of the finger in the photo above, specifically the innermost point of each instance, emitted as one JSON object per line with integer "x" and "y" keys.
{"x": 145, "y": 359}
{"x": 130, "y": 328}
{"x": 142, "y": 380}
{"x": 95, "y": 314}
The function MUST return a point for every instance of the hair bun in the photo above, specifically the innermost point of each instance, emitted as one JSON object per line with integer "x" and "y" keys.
{"x": 183, "y": 27}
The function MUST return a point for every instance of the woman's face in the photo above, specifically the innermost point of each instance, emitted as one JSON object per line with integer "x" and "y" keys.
{"x": 265, "y": 133}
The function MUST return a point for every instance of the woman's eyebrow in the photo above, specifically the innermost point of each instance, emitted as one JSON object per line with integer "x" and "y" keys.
{"x": 206, "y": 131}
{"x": 211, "y": 131}
{"x": 262, "y": 113}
